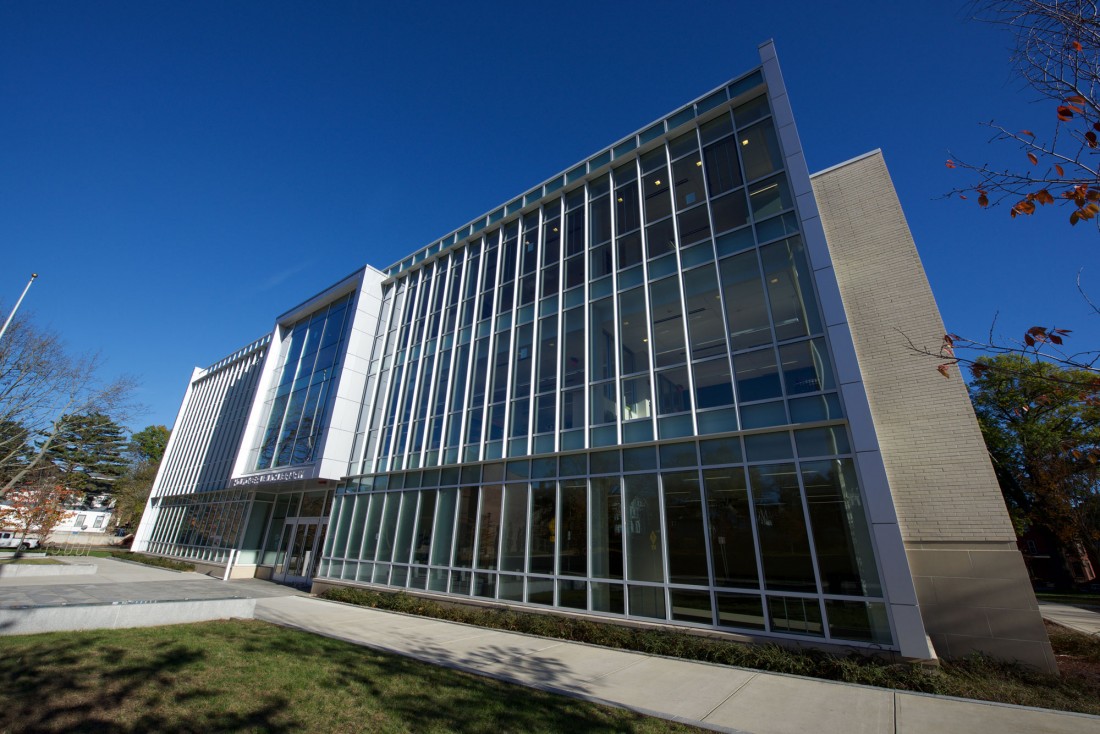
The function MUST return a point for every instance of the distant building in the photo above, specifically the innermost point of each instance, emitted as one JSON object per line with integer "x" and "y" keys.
{"x": 670, "y": 384}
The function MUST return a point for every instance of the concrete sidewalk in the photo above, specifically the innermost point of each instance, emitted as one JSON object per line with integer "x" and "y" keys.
{"x": 1076, "y": 618}
{"x": 713, "y": 696}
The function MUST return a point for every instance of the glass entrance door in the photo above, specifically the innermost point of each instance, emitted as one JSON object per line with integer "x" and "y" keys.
{"x": 301, "y": 549}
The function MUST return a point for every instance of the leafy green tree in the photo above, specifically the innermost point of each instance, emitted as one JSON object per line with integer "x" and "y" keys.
{"x": 1041, "y": 423}
{"x": 88, "y": 452}
{"x": 149, "y": 443}
{"x": 132, "y": 490}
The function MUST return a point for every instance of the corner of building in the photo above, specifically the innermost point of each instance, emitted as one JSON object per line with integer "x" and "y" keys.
{"x": 972, "y": 588}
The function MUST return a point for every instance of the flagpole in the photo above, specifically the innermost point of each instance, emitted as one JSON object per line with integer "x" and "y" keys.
{"x": 12, "y": 314}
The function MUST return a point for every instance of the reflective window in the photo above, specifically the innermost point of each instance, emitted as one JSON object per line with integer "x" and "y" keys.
{"x": 543, "y": 528}
{"x": 781, "y": 525}
{"x": 687, "y": 554}
{"x": 842, "y": 539}
{"x": 788, "y": 276}
{"x": 760, "y": 150}
{"x": 607, "y": 528}
{"x": 298, "y": 409}
{"x": 644, "y": 542}
{"x": 746, "y": 309}
{"x": 574, "y": 528}
{"x": 668, "y": 322}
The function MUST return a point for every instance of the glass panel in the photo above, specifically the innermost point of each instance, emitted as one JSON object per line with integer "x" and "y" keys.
{"x": 856, "y": 620}
{"x": 788, "y": 277}
{"x": 806, "y": 367}
{"x": 842, "y": 540}
{"x": 687, "y": 552}
{"x": 739, "y": 610}
{"x": 731, "y": 536}
{"x": 573, "y": 348}
{"x": 574, "y": 536}
{"x": 795, "y": 615}
{"x": 781, "y": 525}
{"x": 713, "y": 386}
{"x": 607, "y": 528}
{"x": 511, "y": 588}
{"x": 607, "y": 598}
{"x": 489, "y": 527}
{"x": 660, "y": 238}
{"x": 573, "y": 594}
{"x": 647, "y": 601}
{"x": 704, "y": 308}
{"x": 543, "y": 528}
{"x": 635, "y": 335}
{"x": 540, "y": 591}
{"x": 729, "y": 211}
{"x": 515, "y": 528}
{"x": 424, "y": 526}
{"x": 673, "y": 391}
{"x": 637, "y": 401}
{"x": 658, "y": 202}
{"x": 388, "y": 528}
{"x": 768, "y": 447}
{"x": 694, "y": 225}
{"x": 691, "y": 606}
{"x": 757, "y": 375}
{"x": 668, "y": 324}
{"x": 627, "y": 212}
{"x": 572, "y": 409}
{"x": 403, "y": 544}
{"x": 688, "y": 173}
{"x": 769, "y": 197}
{"x": 464, "y": 531}
{"x": 760, "y": 150}
{"x": 723, "y": 171}
{"x": 643, "y": 522}
{"x": 822, "y": 441}
{"x": 629, "y": 249}
{"x": 746, "y": 308}
{"x": 600, "y": 224}
{"x": 604, "y": 403}
{"x": 603, "y": 347}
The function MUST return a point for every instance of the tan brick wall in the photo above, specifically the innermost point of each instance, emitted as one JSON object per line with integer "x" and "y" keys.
{"x": 971, "y": 585}
{"x": 942, "y": 482}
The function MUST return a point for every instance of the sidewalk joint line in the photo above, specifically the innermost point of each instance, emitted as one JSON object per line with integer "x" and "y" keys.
{"x": 733, "y": 693}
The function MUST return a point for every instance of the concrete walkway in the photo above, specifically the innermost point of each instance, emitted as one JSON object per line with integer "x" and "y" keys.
{"x": 1076, "y": 618}
{"x": 713, "y": 696}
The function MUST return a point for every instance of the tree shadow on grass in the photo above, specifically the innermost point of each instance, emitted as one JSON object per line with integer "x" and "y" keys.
{"x": 252, "y": 676}
{"x": 66, "y": 682}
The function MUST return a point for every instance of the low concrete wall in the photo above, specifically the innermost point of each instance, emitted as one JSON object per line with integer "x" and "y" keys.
{"x": 28, "y": 570}
{"x": 33, "y": 620}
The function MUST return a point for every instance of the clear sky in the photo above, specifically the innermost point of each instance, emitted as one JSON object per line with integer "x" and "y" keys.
{"x": 180, "y": 173}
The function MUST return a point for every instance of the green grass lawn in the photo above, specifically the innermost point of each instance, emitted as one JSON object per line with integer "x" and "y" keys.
{"x": 30, "y": 561}
{"x": 248, "y": 676}
{"x": 1075, "y": 599}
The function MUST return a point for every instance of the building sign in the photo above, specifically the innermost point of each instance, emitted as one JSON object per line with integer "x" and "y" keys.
{"x": 280, "y": 476}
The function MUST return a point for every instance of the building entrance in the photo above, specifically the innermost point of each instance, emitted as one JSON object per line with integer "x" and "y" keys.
{"x": 300, "y": 549}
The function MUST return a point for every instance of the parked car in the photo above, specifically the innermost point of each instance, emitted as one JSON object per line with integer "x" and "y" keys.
{"x": 9, "y": 539}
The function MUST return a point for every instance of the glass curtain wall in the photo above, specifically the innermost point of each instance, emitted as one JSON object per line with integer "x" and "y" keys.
{"x": 659, "y": 301}
{"x": 297, "y": 403}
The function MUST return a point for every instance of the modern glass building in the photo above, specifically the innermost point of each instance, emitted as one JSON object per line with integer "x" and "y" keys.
{"x": 640, "y": 391}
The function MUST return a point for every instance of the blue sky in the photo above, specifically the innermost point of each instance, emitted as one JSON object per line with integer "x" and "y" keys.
{"x": 181, "y": 173}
